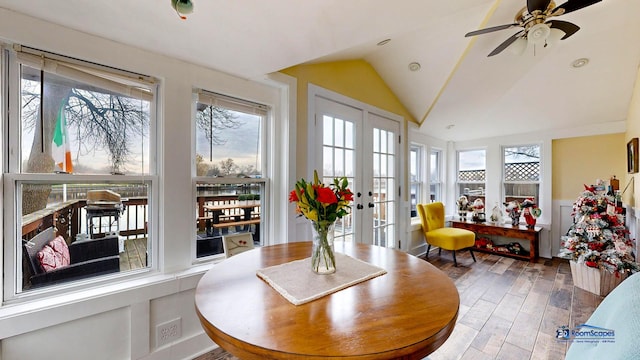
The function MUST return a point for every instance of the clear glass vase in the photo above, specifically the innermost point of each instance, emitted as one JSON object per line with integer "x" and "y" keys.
{"x": 323, "y": 260}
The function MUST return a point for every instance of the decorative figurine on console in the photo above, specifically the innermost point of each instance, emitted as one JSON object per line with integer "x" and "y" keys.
{"x": 496, "y": 214}
{"x": 531, "y": 212}
{"x": 463, "y": 207}
{"x": 478, "y": 211}
{"x": 513, "y": 210}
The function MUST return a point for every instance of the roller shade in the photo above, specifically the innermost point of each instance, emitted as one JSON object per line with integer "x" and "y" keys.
{"x": 231, "y": 103}
{"x": 135, "y": 86}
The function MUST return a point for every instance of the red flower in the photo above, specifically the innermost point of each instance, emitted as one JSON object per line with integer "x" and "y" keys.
{"x": 346, "y": 195}
{"x": 592, "y": 264}
{"x": 326, "y": 195}
{"x": 293, "y": 197}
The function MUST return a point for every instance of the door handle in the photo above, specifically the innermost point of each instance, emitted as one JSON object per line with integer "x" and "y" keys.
{"x": 371, "y": 205}
{"x": 359, "y": 207}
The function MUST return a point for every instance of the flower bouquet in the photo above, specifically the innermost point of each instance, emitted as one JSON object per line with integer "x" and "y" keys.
{"x": 323, "y": 205}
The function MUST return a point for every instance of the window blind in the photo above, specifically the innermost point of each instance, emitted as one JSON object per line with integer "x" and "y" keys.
{"x": 132, "y": 85}
{"x": 231, "y": 103}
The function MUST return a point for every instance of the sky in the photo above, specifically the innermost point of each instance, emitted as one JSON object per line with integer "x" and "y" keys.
{"x": 242, "y": 144}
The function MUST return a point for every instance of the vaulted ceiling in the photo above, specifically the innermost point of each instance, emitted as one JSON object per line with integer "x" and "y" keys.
{"x": 457, "y": 94}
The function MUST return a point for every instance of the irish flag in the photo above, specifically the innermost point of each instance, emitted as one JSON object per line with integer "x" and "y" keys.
{"x": 60, "y": 149}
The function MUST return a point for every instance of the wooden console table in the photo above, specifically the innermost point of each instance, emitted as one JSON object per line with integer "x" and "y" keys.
{"x": 505, "y": 230}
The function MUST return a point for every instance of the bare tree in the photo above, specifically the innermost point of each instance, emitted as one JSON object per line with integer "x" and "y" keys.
{"x": 201, "y": 167}
{"x": 104, "y": 121}
{"x": 212, "y": 120}
{"x": 524, "y": 152}
{"x": 227, "y": 166}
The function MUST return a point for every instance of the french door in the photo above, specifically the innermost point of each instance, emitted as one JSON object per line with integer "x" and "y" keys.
{"x": 364, "y": 147}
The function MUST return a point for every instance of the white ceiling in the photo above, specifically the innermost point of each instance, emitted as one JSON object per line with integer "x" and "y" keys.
{"x": 457, "y": 83}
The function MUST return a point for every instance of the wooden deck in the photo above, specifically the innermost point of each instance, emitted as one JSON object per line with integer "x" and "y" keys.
{"x": 134, "y": 255}
{"x": 509, "y": 309}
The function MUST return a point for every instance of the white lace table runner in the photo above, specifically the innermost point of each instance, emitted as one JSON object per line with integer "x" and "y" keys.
{"x": 297, "y": 283}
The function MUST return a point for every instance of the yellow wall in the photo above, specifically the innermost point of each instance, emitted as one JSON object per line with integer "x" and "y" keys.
{"x": 582, "y": 160}
{"x": 355, "y": 78}
{"x": 633, "y": 130}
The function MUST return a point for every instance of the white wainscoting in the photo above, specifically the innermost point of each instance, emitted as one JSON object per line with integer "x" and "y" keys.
{"x": 562, "y": 221}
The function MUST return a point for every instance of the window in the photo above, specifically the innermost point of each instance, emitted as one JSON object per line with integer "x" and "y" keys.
{"x": 521, "y": 178}
{"x": 230, "y": 181}
{"x": 79, "y": 154}
{"x": 435, "y": 169}
{"x": 415, "y": 168}
{"x": 471, "y": 174}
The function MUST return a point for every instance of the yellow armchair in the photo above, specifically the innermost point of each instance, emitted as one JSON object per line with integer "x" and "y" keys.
{"x": 436, "y": 234}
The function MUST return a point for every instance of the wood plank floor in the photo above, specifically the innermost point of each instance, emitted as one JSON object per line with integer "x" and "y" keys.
{"x": 134, "y": 255}
{"x": 509, "y": 309}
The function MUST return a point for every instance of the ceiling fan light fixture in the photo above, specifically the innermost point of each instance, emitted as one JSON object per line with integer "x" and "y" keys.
{"x": 519, "y": 46}
{"x": 182, "y": 7}
{"x": 555, "y": 36}
{"x": 538, "y": 33}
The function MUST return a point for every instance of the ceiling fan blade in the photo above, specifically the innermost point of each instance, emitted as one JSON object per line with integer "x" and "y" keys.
{"x": 505, "y": 44}
{"x": 541, "y": 5}
{"x": 573, "y": 5}
{"x": 568, "y": 28}
{"x": 491, "y": 29}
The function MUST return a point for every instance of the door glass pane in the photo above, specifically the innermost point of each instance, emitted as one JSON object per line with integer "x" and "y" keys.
{"x": 349, "y": 159}
{"x": 327, "y": 138}
{"x": 339, "y": 133}
{"x": 384, "y": 184}
{"x": 348, "y": 135}
{"x": 376, "y": 140}
{"x": 338, "y": 161}
{"x": 376, "y": 164}
{"x": 383, "y": 141}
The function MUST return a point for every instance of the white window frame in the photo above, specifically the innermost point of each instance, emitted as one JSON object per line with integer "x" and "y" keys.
{"x": 419, "y": 182}
{"x": 89, "y": 73}
{"x": 241, "y": 105}
{"x": 439, "y": 171}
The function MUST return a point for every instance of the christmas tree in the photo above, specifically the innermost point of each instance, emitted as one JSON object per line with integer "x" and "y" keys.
{"x": 598, "y": 237}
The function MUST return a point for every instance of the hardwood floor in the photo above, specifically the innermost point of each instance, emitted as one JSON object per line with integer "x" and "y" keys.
{"x": 134, "y": 255}
{"x": 509, "y": 309}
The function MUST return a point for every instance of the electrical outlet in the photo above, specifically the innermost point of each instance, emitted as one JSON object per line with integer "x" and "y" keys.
{"x": 168, "y": 332}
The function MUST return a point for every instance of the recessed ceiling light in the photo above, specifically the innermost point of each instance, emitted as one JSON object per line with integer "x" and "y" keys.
{"x": 579, "y": 63}
{"x": 384, "y": 42}
{"x": 414, "y": 66}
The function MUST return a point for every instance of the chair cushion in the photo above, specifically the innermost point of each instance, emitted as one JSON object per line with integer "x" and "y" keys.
{"x": 54, "y": 255}
{"x": 451, "y": 238}
{"x": 431, "y": 216}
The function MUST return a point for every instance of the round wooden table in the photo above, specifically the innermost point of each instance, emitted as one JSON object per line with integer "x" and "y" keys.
{"x": 407, "y": 313}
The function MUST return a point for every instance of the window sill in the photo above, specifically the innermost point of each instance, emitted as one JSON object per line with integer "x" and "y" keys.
{"x": 415, "y": 224}
{"x": 27, "y": 316}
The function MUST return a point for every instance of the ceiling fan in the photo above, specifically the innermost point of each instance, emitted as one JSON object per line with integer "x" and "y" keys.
{"x": 536, "y": 28}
